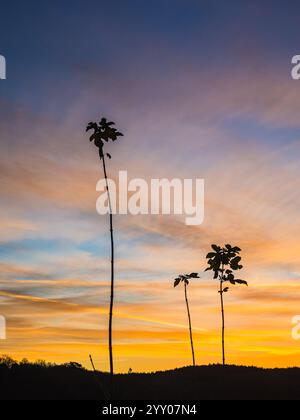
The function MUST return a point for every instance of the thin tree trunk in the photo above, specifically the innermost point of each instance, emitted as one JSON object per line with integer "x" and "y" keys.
{"x": 111, "y": 361}
{"x": 190, "y": 323}
{"x": 106, "y": 396}
{"x": 223, "y": 322}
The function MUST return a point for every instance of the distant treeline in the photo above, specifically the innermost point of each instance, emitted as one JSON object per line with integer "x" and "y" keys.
{"x": 70, "y": 381}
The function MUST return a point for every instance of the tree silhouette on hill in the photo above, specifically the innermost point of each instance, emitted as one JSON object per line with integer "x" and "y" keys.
{"x": 185, "y": 279}
{"x": 104, "y": 132}
{"x": 223, "y": 261}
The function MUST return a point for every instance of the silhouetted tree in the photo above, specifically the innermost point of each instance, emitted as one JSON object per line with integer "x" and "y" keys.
{"x": 103, "y": 132}
{"x": 185, "y": 278}
{"x": 223, "y": 261}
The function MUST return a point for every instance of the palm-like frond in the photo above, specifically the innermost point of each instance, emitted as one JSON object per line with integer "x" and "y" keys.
{"x": 223, "y": 261}
{"x": 103, "y": 131}
{"x": 185, "y": 278}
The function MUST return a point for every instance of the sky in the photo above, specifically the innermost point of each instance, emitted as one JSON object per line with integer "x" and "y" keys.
{"x": 200, "y": 89}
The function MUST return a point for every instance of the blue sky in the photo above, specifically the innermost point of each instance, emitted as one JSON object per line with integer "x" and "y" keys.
{"x": 53, "y": 43}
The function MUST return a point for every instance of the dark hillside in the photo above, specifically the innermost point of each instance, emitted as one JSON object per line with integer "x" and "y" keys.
{"x": 43, "y": 381}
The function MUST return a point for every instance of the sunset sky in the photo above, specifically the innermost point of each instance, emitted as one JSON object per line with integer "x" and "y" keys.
{"x": 200, "y": 89}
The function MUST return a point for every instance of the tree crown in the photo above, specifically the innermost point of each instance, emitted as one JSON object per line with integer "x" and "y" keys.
{"x": 185, "y": 278}
{"x": 223, "y": 261}
{"x": 103, "y": 131}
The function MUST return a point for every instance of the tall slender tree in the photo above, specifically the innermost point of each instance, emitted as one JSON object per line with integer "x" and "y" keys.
{"x": 103, "y": 132}
{"x": 185, "y": 279}
{"x": 223, "y": 261}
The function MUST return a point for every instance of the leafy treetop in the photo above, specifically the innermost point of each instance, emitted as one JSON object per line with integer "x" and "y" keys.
{"x": 185, "y": 278}
{"x": 103, "y": 131}
{"x": 223, "y": 261}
